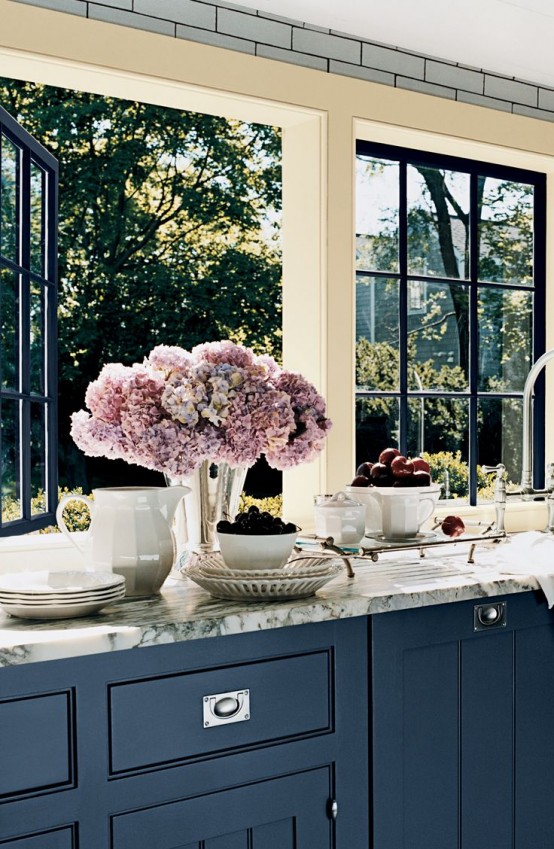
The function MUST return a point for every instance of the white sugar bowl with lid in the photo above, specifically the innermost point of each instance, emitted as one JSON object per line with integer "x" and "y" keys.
{"x": 342, "y": 518}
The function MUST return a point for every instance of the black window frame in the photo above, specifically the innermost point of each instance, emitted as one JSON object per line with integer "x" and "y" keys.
{"x": 475, "y": 168}
{"x": 32, "y": 152}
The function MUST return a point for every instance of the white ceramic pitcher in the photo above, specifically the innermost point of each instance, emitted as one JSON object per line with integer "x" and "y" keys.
{"x": 130, "y": 533}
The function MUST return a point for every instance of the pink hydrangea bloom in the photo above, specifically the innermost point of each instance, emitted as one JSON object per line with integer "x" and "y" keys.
{"x": 105, "y": 395}
{"x": 307, "y": 438}
{"x": 218, "y": 402}
{"x": 168, "y": 358}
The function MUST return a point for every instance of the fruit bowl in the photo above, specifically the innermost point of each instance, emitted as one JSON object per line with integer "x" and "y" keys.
{"x": 256, "y": 551}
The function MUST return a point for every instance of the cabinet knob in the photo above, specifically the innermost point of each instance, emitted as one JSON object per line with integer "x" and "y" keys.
{"x": 333, "y": 808}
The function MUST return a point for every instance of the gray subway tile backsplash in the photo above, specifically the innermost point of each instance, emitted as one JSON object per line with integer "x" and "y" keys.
{"x": 324, "y": 44}
{"x": 248, "y": 30}
{"x": 454, "y": 77}
{"x": 254, "y": 28}
{"x": 394, "y": 61}
{"x": 187, "y": 12}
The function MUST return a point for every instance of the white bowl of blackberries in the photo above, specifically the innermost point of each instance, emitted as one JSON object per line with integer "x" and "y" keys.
{"x": 256, "y": 540}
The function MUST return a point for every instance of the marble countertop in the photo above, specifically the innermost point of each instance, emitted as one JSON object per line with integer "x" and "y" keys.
{"x": 184, "y": 611}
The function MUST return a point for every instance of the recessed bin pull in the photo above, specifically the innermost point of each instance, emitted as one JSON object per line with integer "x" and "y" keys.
{"x": 488, "y": 616}
{"x": 226, "y": 708}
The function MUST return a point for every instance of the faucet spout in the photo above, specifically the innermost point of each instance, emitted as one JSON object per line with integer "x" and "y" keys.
{"x": 527, "y": 448}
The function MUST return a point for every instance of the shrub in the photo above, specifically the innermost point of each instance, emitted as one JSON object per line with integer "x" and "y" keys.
{"x": 273, "y": 505}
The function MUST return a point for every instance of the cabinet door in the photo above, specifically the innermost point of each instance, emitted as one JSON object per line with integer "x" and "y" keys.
{"x": 282, "y": 813}
{"x": 534, "y": 736}
{"x": 442, "y": 731}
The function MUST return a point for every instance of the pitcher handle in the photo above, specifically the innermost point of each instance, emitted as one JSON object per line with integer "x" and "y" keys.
{"x": 424, "y": 515}
{"x": 61, "y": 521}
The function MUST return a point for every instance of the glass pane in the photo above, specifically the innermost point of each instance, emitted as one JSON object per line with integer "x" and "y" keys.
{"x": 37, "y": 219}
{"x": 438, "y": 222}
{"x": 505, "y": 339}
{"x": 38, "y": 459}
{"x": 37, "y": 338}
{"x": 377, "y": 333}
{"x": 9, "y": 328}
{"x": 9, "y": 199}
{"x": 438, "y": 336}
{"x": 500, "y": 438}
{"x": 377, "y": 427}
{"x": 440, "y": 428}
{"x": 9, "y": 436}
{"x": 377, "y": 199}
{"x": 505, "y": 231}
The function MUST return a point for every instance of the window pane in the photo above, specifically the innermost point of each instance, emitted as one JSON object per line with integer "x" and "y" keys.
{"x": 438, "y": 336}
{"x": 9, "y": 328}
{"x": 505, "y": 321}
{"x": 9, "y": 436}
{"x": 377, "y": 427}
{"x": 440, "y": 427}
{"x": 37, "y": 219}
{"x": 506, "y": 231}
{"x": 377, "y": 193}
{"x": 37, "y": 338}
{"x": 377, "y": 333}
{"x": 438, "y": 222}
{"x": 500, "y": 438}
{"x": 38, "y": 459}
{"x": 9, "y": 213}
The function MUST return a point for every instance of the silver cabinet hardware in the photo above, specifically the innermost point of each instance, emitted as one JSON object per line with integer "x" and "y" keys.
{"x": 226, "y": 708}
{"x": 488, "y": 616}
{"x": 333, "y": 809}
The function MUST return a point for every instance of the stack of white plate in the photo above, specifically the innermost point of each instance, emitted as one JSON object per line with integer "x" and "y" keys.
{"x": 58, "y": 595}
{"x": 301, "y": 576}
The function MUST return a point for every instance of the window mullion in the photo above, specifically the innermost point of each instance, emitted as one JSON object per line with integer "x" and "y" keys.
{"x": 24, "y": 334}
{"x": 473, "y": 452}
{"x": 403, "y": 307}
{"x": 539, "y": 336}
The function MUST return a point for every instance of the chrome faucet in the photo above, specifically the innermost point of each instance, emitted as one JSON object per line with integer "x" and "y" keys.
{"x": 527, "y": 448}
{"x": 526, "y": 489}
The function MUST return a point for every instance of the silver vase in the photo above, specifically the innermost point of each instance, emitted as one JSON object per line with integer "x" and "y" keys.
{"x": 215, "y": 489}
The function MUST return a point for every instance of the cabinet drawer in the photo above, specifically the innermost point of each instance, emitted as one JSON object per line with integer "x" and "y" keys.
{"x": 35, "y": 744}
{"x": 159, "y": 721}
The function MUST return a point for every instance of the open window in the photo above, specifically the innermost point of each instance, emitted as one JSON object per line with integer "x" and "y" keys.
{"x": 28, "y": 362}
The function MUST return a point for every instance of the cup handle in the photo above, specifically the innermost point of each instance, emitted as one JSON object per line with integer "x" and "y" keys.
{"x": 61, "y": 521}
{"x": 423, "y": 518}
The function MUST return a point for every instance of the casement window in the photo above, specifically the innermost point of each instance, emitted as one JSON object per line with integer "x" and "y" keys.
{"x": 28, "y": 384}
{"x": 450, "y": 310}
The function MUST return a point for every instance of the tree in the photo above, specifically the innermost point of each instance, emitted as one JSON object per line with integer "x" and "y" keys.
{"x": 168, "y": 233}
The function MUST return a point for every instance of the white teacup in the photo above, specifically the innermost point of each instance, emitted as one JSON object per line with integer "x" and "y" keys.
{"x": 405, "y": 509}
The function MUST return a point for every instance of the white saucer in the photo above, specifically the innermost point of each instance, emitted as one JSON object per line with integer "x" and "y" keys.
{"x": 421, "y": 537}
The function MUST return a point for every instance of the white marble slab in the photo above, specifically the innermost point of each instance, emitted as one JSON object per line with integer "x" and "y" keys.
{"x": 183, "y": 611}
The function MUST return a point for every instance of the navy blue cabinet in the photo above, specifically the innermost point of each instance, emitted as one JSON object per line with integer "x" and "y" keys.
{"x": 145, "y": 750}
{"x": 463, "y": 725}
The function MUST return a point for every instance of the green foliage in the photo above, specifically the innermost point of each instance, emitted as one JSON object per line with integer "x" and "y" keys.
{"x": 76, "y": 514}
{"x": 272, "y": 505}
{"x": 168, "y": 232}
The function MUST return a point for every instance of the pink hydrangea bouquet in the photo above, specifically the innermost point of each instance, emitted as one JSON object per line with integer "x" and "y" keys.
{"x": 217, "y": 402}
